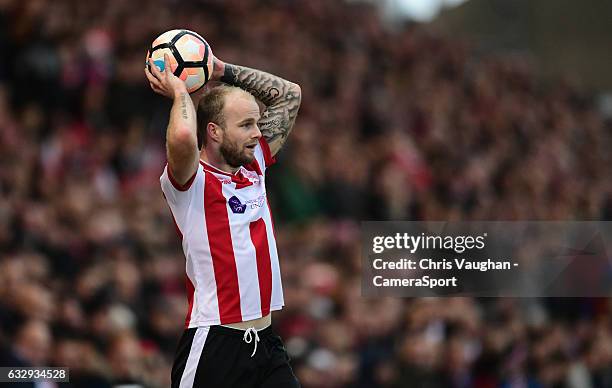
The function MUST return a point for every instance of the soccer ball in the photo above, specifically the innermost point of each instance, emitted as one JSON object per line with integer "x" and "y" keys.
{"x": 190, "y": 56}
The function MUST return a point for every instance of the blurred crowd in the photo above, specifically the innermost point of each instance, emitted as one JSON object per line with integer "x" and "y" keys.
{"x": 397, "y": 123}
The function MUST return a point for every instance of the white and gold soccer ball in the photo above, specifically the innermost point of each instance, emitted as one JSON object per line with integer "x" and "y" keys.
{"x": 191, "y": 58}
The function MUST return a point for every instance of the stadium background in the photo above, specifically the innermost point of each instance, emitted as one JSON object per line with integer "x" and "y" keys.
{"x": 399, "y": 121}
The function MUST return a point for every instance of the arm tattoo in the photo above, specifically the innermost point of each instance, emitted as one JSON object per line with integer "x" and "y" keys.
{"x": 281, "y": 98}
{"x": 184, "y": 106}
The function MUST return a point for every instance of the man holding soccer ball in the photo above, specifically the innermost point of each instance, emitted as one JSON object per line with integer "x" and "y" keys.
{"x": 214, "y": 184}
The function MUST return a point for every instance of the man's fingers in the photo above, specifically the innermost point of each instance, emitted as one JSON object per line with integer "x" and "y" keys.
{"x": 167, "y": 64}
{"x": 150, "y": 77}
{"x": 153, "y": 69}
{"x": 158, "y": 90}
{"x": 155, "y": 88}
{"x": 155, "y": 83}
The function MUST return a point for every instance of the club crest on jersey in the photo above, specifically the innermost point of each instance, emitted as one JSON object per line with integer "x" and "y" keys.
{"x": 236, "y": 206}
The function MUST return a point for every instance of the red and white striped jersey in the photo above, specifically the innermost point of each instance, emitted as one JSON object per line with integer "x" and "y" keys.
{"x": 225, "y": 225}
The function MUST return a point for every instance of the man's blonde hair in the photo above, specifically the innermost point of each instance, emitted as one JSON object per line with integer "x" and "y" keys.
{"x": 210, "y": 109}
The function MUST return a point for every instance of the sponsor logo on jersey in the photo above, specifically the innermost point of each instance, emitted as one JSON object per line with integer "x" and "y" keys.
{"x": 239, "y": 208}
{"x": 257, "y": 202}
{"x": 236, "y": 206}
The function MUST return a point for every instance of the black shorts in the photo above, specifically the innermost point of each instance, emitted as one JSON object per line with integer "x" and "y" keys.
{"x": 219, "y": 357}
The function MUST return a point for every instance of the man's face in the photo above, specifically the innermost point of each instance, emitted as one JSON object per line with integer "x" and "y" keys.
{"x": 241, "y": 133}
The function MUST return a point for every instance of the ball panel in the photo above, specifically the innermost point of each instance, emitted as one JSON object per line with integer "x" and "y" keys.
{"x": 166, "y": 37}
{"x": 194, "y": 78}
{"x": 196, "y": 35}
{"x": 190, "y": 48}
{"x": 209, "y": 62}
{"x": 193, "y": 70}
{"x": 158, "y": 59}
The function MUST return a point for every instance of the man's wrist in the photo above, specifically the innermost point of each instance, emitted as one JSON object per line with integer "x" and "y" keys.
{"x": 218, "y": 70}
{"x": 229, "y": 75}
{"x": 179, "y": 92}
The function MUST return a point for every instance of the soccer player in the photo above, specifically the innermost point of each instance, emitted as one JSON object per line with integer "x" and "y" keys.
{"x": 214, "y": 184}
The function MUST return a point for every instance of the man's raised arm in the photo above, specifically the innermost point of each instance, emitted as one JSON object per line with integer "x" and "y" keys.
{"x": 282, "y": 99}
{"x": 181, "y": 136}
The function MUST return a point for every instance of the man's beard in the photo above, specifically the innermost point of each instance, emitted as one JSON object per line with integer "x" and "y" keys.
{"x": 232, "y": 154}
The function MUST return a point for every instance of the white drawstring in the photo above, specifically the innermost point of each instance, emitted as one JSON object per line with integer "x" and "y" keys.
{"x": 248, "y": 338}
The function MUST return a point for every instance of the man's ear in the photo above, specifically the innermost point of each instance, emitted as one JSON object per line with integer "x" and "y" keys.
{"x": 215, "y": 132}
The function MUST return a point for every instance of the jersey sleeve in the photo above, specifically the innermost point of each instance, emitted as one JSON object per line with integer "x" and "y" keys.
{"x": 179, "y": 197}
{"x": 263, "y": 155}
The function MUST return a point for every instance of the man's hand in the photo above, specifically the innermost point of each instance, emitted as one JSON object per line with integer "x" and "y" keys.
{"x": 164, "y": 82}
{"x": 218, "y": 69}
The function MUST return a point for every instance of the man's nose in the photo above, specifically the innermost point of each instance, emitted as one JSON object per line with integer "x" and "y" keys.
{"x": 257, "y": 133}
